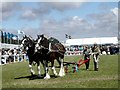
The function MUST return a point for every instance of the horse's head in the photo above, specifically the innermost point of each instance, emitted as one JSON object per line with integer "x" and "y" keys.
{"x": 41, "y": 43}
{"x": 27, "y": 42}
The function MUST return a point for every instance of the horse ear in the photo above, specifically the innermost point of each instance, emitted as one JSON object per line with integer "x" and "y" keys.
{"x": 37, "y": 35}
{"x": 42, "y": 35}
{"x": 30, "y": 37}
{"x": 25, "y": 36}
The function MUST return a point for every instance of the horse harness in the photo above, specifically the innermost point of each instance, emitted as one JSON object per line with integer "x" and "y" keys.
{"x": 51, "y": 50}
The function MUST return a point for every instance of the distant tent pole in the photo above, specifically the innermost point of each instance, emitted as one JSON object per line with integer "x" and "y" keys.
{"x": 6, "y": 39}
{"x": 3, "y": 37}
{"x": 20, "y": 33}
{"x": 18, "y": 38}
{"x": 10, "y": 38}
{"x": 0, "y": 37}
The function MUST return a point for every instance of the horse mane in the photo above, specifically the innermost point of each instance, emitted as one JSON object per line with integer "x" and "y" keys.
{"x": 53, "y": 40}
{"x": 51, "y": 43}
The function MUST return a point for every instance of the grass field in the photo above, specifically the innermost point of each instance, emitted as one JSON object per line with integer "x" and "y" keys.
{"x": 17, "y": 75}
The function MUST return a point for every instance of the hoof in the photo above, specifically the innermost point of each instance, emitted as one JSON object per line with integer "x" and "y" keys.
{"x": 56, "y": 74}
{"x": 61, "y": 75}
{"x": 39, "y": 75}
{"x": 46, "y": 78}
{"x": 32, "y": 74}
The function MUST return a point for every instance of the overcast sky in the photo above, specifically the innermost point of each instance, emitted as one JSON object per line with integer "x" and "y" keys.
{"x": 78, "y": 19}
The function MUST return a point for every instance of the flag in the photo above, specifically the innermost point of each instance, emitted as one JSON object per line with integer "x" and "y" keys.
{"x": 8, "y": 35}
{"x": 4, "y": 34}
{"x": 69, "y": 37}
{"x": 15, "y": 37}
{"x": 20, "y": 32}
{"x": 66, "y": 36}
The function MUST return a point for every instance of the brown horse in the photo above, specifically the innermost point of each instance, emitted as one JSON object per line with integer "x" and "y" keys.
{"x": 51, "y": 49}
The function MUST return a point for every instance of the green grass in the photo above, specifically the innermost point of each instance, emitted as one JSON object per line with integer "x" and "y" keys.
{"x": 16, "y": 75}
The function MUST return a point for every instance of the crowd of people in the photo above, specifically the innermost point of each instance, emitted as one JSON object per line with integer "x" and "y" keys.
{"x": 104, "y": 49}
{"x": 12, "y": 55}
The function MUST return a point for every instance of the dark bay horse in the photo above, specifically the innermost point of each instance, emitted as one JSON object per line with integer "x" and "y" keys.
{"x": 28, "y": 44}
{"x": 50, "y": 51}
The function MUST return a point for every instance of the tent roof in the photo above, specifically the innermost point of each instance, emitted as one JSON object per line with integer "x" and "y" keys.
{"x": 83, "y": 41}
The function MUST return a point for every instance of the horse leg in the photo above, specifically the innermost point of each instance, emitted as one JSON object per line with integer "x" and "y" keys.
{"x": 61, "y": 72}
{"x": 38, "y": 68}
{"x": 59, "y": 62}
{"x": 47, "y": 76}
{"x": 43, "y": 63}
{"x": 30, "y": 67}
{"x": 53, "y": 68}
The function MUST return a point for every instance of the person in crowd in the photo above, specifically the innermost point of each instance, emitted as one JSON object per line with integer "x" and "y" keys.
{"x": 86, "y": 53}
{"x": 96, "y": 53}
{"x": 10, "y": 58}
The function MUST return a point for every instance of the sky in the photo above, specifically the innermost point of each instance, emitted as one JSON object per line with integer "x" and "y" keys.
{"x": 77, "y": 19}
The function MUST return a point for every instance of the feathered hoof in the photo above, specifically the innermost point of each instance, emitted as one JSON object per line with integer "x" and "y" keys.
{"x": 61, "y": 75}
{"x": 39, "y": 76}
{"x": 32, "y": 74}
{"x": 47, "y": 77}
{"x": 55, "y": 74}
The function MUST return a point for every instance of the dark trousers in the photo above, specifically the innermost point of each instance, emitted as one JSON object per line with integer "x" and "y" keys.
{"x": 95, "y": 66}
{"x": 87, "y": 63}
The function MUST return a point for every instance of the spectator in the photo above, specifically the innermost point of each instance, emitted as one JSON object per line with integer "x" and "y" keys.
{"x": 10, "y": 58}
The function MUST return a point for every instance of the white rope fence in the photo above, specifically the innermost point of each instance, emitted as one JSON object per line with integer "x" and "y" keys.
{"x": 21, "y": 57}
{"x": 70, "y": 53}
{"x": 73, "y": 53}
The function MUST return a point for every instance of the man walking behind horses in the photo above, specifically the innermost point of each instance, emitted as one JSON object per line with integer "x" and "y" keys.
{"x": 87, "y": 52}
{"x": 96, "y": 53}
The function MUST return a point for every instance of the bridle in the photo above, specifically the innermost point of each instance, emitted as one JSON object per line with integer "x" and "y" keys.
{"x": 23, "y": 43}
{"x": 26, "y": 43}
{"x": 39, "y": 45}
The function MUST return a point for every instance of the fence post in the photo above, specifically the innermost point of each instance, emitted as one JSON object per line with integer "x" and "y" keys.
{"x": 5, "y": 59}
{"x": 14, "y": 58}
{"x": 18, "y": 57}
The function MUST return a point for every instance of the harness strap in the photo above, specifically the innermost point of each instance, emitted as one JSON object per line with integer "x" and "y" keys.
{"x": 49, "y": 46}
{"x": 55, "y": 51}
{"x": 50, "y": 50}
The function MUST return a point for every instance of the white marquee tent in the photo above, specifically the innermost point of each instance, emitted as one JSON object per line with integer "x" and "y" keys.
{"x": 88, "y": 41}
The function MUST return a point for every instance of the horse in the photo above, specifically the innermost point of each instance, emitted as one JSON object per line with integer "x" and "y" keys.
{"x": 51, "y": 51}
{"x": 28, "y": 44}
